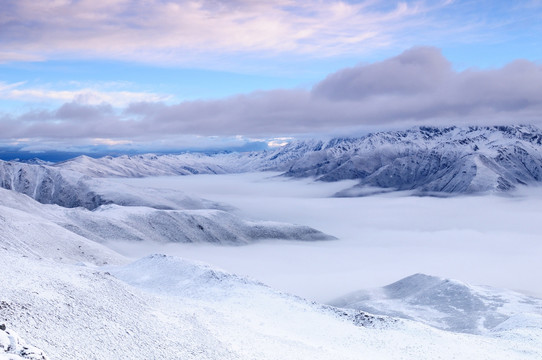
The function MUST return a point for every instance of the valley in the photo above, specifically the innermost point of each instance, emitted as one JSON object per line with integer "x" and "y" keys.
{"x": 244, "y": 264}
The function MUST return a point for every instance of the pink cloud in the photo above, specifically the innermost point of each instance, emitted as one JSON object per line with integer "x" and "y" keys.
{"x": 184, "y": 31}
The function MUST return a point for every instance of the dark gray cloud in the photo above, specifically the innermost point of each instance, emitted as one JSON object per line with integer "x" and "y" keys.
{"x": 418, "y": 86}
{"x": 76, "y": 111}
{"x": 417, "y": 70}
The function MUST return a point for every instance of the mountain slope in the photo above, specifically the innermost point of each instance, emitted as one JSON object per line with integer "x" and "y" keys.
{"x": 447, "y": 304}
{"x": 425, "y": 160}
{"x": 50, "y": 185}
{"x": 27, "y": 231}
{"x": 138, "y": 223}
{"x": 169, "y": 308}
{"x": 59, "y": 294}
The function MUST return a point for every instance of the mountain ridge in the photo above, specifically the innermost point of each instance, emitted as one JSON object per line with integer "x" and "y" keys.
{"x": 425, "y": 160}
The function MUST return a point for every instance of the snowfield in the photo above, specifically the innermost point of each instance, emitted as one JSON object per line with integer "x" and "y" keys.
{"x": 135, "y": 311}
{"x": 448, "y": 304}
{"x": 137, "y": 268}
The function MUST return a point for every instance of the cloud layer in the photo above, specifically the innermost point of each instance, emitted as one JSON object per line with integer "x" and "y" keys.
{"x": 184, "y": 31}
{"x": 416, "y": 87}
{"x": 90, "y": 96}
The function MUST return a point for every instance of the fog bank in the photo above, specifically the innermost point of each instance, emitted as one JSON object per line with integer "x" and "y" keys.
{"x": 489, "y": 240}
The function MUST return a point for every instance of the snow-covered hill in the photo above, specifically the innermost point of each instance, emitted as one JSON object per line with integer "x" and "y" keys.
{"x": 139, "y": 223}
{"x": 123, "y": 212}
{"x": 48, "y": 185}
{"x": 29, "y": 229}
{"x": 425, "y": 160}
{"x": 170, "y": 308}
{"x": 448, "y": 304}
{"x": 74, "y": 298}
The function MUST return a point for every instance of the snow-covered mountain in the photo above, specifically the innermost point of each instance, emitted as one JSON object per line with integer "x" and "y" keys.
{"x": 425, "y": 160}
{"x": 190, "y": 163}
{"x": 171, "y": 308}
{"x": 448, "y": 304}
{"x": 51, "y": 185}
{"x": 68, "y": 294}
{"x": 138, "y": 223}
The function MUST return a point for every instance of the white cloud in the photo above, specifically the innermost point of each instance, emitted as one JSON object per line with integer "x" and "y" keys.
{"x": 6, "y": 57}
{"x": 88, "y": 96}
{"x": 279, "y": 141}
{"x": 110, "y": 142}
{"x": 188, "y": 31}
{"x": 417, "y": 87}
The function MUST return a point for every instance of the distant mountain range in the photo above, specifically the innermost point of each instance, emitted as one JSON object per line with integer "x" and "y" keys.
{"x": 70, "y": 295}
{"x": 425, "y": 160}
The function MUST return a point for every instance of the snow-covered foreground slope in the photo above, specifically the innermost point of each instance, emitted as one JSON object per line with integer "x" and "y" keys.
{"x": 26, "y": 230}
{"x": 425, "y": 160}
{"x": 448, "y": 304}
{"x": 168, "y": 308}
{"x": 74, "y": 298}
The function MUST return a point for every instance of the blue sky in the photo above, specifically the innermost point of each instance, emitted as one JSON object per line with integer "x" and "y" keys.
{"x": 158, "y": 75}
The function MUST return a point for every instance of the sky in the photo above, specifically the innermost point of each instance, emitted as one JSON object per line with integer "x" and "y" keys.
{"x": 126, "y": 76}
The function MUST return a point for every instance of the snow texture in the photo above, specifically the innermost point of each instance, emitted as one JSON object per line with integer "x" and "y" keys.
{"x": 449, "y": 304}
{"x": 76, "y": 299}
{"x": 122, "y": 212}
{"x": 12, "y": 347}
{"x": 69, "y": 294}
{"x": 426, "y": 160}
{"x": 170, "y": 308}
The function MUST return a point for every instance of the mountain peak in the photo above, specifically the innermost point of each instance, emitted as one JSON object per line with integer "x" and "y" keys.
{"x": 424, "y": 160}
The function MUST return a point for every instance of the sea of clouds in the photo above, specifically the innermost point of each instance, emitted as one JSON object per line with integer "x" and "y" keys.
{"x": 488, "y": 240}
